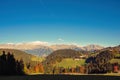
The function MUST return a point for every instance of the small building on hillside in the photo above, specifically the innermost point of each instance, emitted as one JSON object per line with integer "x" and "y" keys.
{"x": 80, "y": 57}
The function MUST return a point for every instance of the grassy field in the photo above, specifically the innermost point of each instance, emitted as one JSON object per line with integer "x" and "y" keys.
{"x": 70, "y": 63}
{"x": 40, "y": 59}
{"x": 117, "y": 55}
{"x": 115, "y": 60}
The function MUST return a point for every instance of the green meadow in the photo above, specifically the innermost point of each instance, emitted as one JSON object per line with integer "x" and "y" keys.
{"x": 69, "y": 62}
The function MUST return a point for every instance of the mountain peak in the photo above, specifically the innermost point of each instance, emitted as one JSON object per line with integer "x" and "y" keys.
{"x": 93, "y": 47}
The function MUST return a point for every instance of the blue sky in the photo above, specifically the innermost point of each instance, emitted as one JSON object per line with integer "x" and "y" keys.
{"x": 60, "y": 21}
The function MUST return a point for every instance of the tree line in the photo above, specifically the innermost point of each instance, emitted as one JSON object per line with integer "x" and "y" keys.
{"x": 101, "y": 63}
{"x": 10, "y": 66}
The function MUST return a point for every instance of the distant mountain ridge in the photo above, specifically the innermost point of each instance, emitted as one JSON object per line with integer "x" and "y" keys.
{"x": 63, "y": 46}
{"x": 42, "y": 49}
{"x": 92, "y": 47}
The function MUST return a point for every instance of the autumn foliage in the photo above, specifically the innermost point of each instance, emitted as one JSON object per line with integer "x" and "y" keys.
{"x": 39, "y": 68}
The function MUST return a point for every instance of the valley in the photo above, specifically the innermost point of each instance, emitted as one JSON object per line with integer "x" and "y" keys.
{"x": 70, "y": 61}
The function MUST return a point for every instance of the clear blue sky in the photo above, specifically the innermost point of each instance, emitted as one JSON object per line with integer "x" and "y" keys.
{"x": 80, "y": 21}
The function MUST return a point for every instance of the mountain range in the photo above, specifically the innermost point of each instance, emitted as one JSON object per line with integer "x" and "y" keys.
{"x": 44, "y": 50}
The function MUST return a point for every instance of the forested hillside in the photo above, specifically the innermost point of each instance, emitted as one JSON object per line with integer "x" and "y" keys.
{"x": 61, "y": 54}
{"x": 19, "y": 54}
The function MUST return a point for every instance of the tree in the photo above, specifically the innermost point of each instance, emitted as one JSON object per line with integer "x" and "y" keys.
{"x": 41, "y": 68}
{"x": 100, "y": 63}
{"x": 9, "y": 66}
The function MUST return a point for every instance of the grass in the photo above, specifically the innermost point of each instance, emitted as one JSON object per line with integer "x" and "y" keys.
{"x": 40, "y": 59}
{"x": 112, "y": 74}
{"x": 115, "y": 60}
{"x": 70, "y": 63}
{"x": 117, "y": 55}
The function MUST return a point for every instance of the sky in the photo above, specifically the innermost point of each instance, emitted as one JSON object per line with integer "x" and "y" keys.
{"x": 80, "y": 22}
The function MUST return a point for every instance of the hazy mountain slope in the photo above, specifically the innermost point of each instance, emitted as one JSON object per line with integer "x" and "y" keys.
{"x": 73, "y": 47}
{"x": 92, "y": 47}
{"x": 42, "y": 51}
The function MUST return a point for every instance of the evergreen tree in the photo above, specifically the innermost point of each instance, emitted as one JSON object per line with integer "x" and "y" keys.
{"x": 9, "y": 66}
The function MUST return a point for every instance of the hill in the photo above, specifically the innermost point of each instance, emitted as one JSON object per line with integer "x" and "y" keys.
{"x": 61, "y": 54}
{"x": 19, "y": 54}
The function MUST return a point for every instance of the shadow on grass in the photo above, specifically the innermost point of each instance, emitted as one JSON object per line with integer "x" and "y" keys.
{"x": 60, "y": 77}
